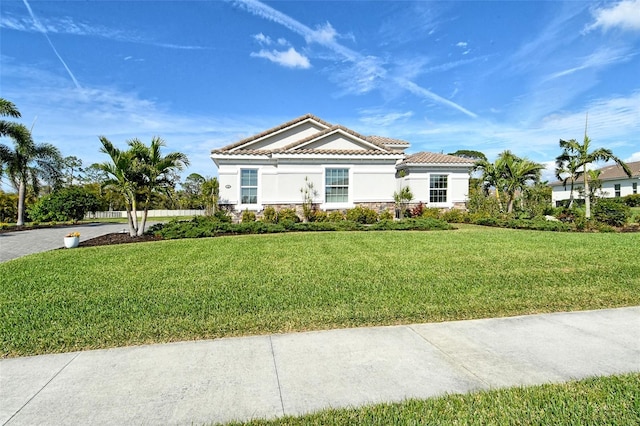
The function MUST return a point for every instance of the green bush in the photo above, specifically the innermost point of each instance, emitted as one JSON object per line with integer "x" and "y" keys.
{"x": 453, "y": 216}
{"x": 66, "y": 204}
{"x": 611, "y": 211}
{"x": 320, "y": 216}
{"x": 632, "y": 200}
{"x": 248, "y": 216}
{"x": 222, "y": 215}
{"x": 335, "y": 216}
{"x": 269, "y": 215}
{"x": 288, "y": 215}
{"x": 431, "y": 213}
{"x": 361, "y": 214}
{"x": 386, "y": 215}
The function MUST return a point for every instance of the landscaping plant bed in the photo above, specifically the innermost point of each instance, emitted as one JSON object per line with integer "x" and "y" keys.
{"x": 117, "y": 238}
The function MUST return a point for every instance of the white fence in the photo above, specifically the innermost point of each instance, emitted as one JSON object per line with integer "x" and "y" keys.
{"x": 114, "y": 214}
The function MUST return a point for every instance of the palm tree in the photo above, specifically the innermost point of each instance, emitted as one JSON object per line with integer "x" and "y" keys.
{"x": 123, "y": 179}
{"x": 8, "y": 109}
{"x": 567, "y": 166}
{"x": 492, "y": 176}
{"x": 583, "y": 157}
{"x": 156, "y": 169}
{"x": 517, "y": 173}
{"x": 27, "y": 162}
{"x": 138, "y": 173}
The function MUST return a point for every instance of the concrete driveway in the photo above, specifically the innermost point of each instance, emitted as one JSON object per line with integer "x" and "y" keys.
{"x": 21, "y": 243}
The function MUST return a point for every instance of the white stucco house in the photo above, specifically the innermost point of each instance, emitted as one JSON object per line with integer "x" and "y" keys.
{"x": 615, "y": 183}
{"x": 346, "y": 168}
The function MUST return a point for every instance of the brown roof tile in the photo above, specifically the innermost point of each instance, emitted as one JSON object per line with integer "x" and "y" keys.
{"x": 433, "y": 158}
{"x": 616, "y": 172}
{"x": 383, "y": 140}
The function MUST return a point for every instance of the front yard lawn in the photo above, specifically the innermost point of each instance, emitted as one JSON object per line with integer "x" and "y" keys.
{"x": 98, "y": 297}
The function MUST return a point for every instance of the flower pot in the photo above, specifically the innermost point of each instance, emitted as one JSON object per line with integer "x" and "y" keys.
{"x": 71, "y": 242}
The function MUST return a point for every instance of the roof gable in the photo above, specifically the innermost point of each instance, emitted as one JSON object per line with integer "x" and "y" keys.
{"x": 282, "y": 135}
{"x": 336, "y": 138}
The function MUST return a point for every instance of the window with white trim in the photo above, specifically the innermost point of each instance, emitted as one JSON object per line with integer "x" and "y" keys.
{"x": 438, "y": 188}
{"x": 336, "y": 186}
{"x": 634, "y": 187}
{"x": 616, "y": 188}
{"x": 248, "y": 186}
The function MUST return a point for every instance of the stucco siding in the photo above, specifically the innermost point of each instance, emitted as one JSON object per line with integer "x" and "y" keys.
{"x": 286, "y": 137}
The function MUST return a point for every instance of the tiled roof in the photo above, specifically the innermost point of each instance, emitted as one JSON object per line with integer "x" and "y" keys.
{"x": 433, "y": 158}
{"x": 274, "y": 130}
{"x": 330, "y": 130}
{"x": 270, "y": 152}
{"x": 610, "y": 173}
{"x": 616, "y": 172}
{"x": 387, "y": 141}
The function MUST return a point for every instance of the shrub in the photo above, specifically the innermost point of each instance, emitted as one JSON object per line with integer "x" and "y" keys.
{"x": 335, "y": 216}
{"x": 453, "y": 216}
{"x": 632, "y": 200}
{"x": 611, "y": 211}
{"x": 320, "y": 216}
{"x": 269, "y": 215}
{"x": 222, "y": 215}
{"x": 361, "y": 214}
{"x": 566, "y": 214}
{"x": 417, "y": 210}
{"x": 386, "y": 215}
{"x": 431, "y": 212}
{"x": 248, "y": 216}
{"x": 289, "y": 215}
{"x": 71, "y": 203}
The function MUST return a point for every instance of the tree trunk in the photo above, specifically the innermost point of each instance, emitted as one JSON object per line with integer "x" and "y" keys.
{"x": 571, "y": 195}
{"x": 587, "y": 197}
{"x": 144, "y": 222}
{"x": 133, "y": 221}
{"x": 21, "y": 196}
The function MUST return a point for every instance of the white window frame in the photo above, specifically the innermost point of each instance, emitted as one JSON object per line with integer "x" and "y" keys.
{"x": 251, "y": 206}
{"x": 340, "y": 204}
{"x": 446, "y": 189}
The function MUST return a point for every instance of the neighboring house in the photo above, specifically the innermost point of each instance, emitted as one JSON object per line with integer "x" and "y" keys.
{"x": 615, "y": 183}
{"x": 346, "y": 169}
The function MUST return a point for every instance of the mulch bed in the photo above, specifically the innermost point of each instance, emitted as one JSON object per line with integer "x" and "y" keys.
{"x": 117, "y": 238}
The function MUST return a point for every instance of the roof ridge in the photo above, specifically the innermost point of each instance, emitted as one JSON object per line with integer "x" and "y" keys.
{"x": 275, "y": 129}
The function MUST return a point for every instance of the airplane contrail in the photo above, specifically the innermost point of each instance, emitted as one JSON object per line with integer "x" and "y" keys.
{"x": 264, "y": 11}
{"x": 43, "y": 30}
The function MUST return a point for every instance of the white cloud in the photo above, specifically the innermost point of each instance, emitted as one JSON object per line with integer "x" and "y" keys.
{"x": 367, "y": 71}
{"x": 600, "y": 58}
{"x": 633, "y": 157}
{"x": 379, "y": 118}
{"x": 262, "y": 39}
{"x": 66, "y": 25}
{"x": 461, "y": 44}
{"x": 288, "y": 58}
{"x": 624, "y": 15}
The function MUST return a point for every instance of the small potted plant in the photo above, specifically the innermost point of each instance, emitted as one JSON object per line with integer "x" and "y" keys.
{"x": 72, "y": 239}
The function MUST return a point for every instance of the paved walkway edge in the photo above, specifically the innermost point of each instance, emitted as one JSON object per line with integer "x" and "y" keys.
{"x": 292, "y": 374}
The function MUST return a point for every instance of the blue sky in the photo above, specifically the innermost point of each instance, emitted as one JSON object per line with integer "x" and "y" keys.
{"x": 482, "y": 75}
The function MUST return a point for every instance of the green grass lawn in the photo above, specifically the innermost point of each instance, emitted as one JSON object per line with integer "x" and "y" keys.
{"x": 596, "y": 401}
{"x": 67, "y": 300}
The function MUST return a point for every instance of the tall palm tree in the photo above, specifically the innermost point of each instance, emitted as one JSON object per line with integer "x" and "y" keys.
{"x": 584, "y": 157}
{"x": 568, "y": 170}
{"x": 517, "y": 173}
{"x": 27, "y": 162}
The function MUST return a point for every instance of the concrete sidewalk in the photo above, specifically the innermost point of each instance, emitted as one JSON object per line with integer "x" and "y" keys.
{"x": 21, "y": 243}
{"x": 271, "y": 376}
